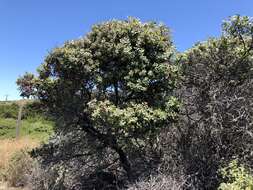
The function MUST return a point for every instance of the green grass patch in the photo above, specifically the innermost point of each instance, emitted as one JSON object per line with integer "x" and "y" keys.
{"x": 36, "y": 123}
{"x": 36, "y": 127}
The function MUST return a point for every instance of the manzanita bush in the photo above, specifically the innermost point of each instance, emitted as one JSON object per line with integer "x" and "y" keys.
{"x": 115, "y": 85}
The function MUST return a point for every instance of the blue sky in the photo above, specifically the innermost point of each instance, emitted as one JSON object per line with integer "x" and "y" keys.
{"x": 31, "y": 28}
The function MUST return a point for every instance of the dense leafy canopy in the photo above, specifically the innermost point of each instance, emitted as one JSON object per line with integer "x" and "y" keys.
{"x": 115, "y": 84}
{"x": 120, "y": 76}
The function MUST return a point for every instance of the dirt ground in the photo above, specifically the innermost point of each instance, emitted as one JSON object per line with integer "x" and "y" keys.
{"x": 3, "y": 186}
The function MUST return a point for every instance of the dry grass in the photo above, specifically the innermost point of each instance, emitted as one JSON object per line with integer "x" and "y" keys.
{"x": 4, "y": 186}
{"x": 8, "y": 147}
{"x": 160, "y": 182}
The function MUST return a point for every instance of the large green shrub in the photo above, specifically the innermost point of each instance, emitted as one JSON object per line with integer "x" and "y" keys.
{"x": 112, "y": 88}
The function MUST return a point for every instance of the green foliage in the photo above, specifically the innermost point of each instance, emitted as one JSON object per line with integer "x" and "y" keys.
{"x": 115, "y": 85}
{"x": 124, "y": 62}
{"x": 8, "y": 110}
{"x": 37, "y": 128}
{"x": 238, "y": 26}
{"x": 31, "y": 109}
{"x": 25, "y": 85}
{"x": 113, "y": 92}
{"x": 236, "y": 177}
{"x": 35, "y": 120}
{"x": 34, "y": 109}
{"x": 129, "y": 122}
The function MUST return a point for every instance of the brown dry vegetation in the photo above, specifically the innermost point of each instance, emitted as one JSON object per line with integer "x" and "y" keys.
{"x": 4, "y": 186}
{"x": 8, "y": 147}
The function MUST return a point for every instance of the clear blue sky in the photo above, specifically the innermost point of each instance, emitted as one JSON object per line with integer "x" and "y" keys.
{"x": 31, "y": 28}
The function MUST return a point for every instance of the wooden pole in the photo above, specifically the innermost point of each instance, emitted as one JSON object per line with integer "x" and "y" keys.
{"x": 19, "y": 120}
{"x": 6, "y": 97}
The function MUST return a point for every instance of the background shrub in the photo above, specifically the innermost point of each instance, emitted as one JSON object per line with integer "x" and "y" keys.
{"x": 217, "y": 96}
{"x": 9, "y": 110}
{"x": 34, "y": 109}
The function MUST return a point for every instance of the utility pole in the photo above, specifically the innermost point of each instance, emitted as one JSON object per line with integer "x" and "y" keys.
{"x": 21, "y": 105}
{"x": 6, "y": 97}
